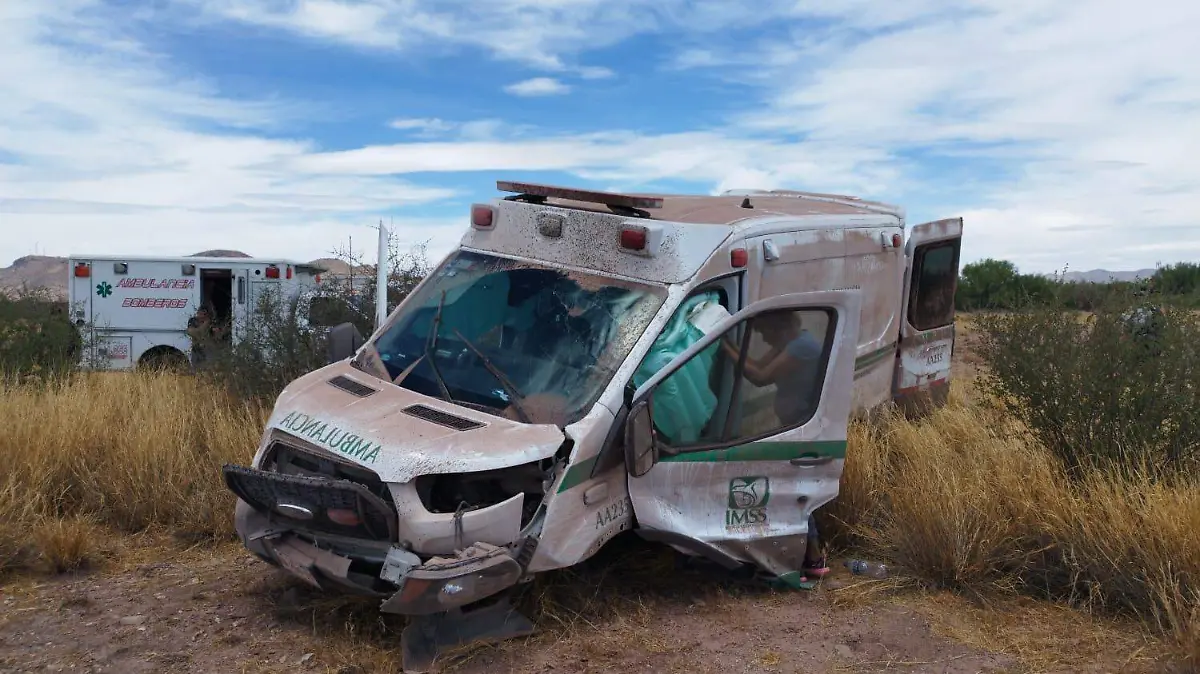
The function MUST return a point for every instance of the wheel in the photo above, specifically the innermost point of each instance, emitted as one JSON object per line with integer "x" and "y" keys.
{"x": 163, "y": 358}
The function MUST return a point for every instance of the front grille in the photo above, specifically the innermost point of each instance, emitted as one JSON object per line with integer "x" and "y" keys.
{"x": 352, "y": 387}
{"x": 442, "y": 418}
{"x": 307, "y": 500}
{"x": 288, "y": 459}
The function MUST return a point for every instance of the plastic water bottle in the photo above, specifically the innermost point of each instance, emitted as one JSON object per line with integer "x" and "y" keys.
{"x": 861, "y": 567}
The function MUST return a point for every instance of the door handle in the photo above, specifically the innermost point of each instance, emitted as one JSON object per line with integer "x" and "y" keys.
{"x": 810, "y": 461}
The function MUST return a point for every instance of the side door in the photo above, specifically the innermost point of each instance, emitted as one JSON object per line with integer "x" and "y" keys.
{"x": 736, "y": 481}
{"x": 922, "y": 375}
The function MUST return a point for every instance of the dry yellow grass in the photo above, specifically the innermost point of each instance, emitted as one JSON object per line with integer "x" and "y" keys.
{"x": 967, "y": 501}
{"x": 130, "y": 452}
{"x": 963, "y": 500}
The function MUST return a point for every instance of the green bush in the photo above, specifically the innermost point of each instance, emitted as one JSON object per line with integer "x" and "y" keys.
{"x": 1096, "y": 390}
{"x": 1181, "y": 279}
{"x": 36, "y": 337}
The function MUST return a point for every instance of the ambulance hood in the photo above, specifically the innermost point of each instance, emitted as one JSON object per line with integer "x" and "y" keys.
{"x": 400, "y": 434}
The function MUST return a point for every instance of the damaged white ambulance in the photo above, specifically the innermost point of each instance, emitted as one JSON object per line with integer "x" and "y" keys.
{"x": 586, "y": 363}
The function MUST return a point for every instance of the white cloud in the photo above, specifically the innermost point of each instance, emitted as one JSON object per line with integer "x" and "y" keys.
{"x": 1085, "y": 110}
{"x": 538, "y": 86}
{"x": 1061, "y": 131}
{"x": 596, "y": 73}
{"x": 427, "y": 124}
{"x": 106, "y": 148}
{"x": 540, "y": 33}
{"x": 630, "y": 158}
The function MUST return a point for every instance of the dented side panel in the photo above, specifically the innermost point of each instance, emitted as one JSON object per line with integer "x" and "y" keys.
{"x": 583, "y": 512}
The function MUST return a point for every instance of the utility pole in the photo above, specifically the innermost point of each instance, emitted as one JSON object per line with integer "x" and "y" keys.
{"x": 381, "y": 278}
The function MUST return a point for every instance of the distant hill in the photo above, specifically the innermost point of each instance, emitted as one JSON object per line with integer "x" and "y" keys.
{"x": 338, "y": 267}
{"x": 220, "y": 253}
{"x": 1105, "y": 276}
{"x": 35, "y": 272}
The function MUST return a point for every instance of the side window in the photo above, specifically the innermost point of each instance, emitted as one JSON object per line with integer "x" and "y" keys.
{"x": 934, "y": 277}
{"x": 761, "y": 377}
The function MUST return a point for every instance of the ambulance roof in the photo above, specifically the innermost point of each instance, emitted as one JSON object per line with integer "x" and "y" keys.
{"x": 725, "y": 209}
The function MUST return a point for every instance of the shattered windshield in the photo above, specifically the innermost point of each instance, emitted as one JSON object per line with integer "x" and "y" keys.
{"x": 527, "y": 342}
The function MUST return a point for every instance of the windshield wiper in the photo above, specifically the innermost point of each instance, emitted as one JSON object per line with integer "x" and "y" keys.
{"x": 431, "y": 346}
{"x": 504, "y": 381}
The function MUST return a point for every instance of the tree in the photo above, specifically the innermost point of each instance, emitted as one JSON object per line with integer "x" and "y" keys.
{"x": 987, "y": 284}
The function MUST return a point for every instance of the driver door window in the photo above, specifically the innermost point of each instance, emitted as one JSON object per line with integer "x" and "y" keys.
{"x": 762, "y": 377}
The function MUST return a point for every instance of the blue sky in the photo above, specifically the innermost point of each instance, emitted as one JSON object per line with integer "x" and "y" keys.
{"x": 1065, "y": 133}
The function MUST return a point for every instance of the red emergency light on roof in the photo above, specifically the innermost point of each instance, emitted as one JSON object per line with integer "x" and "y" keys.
{"x": 633, "y": 238}
{"x": 272, "y": 272}
{"x": 738, "y": 257}
{"x": 82, "y": 270}
{"x": 587, "y": 196}
{"x": 483, "y": 216}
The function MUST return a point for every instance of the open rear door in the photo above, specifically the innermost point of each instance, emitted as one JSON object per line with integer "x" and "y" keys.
{"x": 927, "y": 325}
{"x": 735, "y": 475}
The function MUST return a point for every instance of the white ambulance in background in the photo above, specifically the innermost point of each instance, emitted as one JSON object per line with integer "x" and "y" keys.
{"x": 139, "y": 306}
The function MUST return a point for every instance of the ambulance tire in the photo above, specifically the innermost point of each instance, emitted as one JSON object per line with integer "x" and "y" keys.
{"x": 163, "y": 358}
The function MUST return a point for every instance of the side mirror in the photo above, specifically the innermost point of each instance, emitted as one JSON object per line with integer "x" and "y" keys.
{"x": 344, "y": 341}
{"x": 641, "y": 452}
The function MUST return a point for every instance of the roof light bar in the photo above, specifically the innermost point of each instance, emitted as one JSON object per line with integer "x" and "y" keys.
{"x": 587, "y": 196}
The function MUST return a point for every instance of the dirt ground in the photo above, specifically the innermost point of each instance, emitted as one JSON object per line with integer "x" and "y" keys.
{"x": 220, "y": 610}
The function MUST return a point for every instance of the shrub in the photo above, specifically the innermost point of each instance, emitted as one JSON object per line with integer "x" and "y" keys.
{"x": 276, "y": 345}
{"x": 36, "y": 336}
{"x": 284, "y": 338}
{"x": 965, "y": 499}
{"x": 1094, "y": 389}
{"x": 995, "y": 284}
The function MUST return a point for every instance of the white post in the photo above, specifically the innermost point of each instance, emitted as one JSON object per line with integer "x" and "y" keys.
{"x": 381, "y": 278}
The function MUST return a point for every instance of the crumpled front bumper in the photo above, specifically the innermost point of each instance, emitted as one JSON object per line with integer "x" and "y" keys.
{"x": 407, "y": 585}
